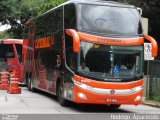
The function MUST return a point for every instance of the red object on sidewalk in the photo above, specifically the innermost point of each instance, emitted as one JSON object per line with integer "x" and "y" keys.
{"x": 14, "y": 88}
{"x": 4, "y": 77}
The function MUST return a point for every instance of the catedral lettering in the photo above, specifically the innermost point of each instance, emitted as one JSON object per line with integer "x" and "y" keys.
{"x": 44, "y": 42}
{"x": 96, "y": 58}
{"x": 108, "y": 40}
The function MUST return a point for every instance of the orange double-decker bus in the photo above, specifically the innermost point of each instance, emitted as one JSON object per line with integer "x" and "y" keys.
{"x": 11, "y": 56}
{"x": 88, "y": 52}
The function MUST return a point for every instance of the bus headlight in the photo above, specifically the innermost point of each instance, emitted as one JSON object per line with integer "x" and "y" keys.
{"x": 84, "y": 86}
{"x": 138, "y": 88}
{"x": 82, "y": 95}
{"x": 138, "y": 98}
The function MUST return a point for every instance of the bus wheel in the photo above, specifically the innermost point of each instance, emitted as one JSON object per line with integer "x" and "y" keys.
{"x": 61, "y": 100}
{"x": 27, "y": 81}
{"x": 113, "y": 106}
{"x": 30, "y": 84}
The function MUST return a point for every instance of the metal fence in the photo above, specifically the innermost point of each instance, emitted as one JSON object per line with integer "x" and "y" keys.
{"x": 152, "y": 80}
{"x": 154, "y": 88}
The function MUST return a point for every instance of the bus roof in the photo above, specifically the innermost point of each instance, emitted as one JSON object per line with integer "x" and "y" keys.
{"x": 102, "y": 2}
{"x": 11, "y": 41}
{"x": 94, "y": 2}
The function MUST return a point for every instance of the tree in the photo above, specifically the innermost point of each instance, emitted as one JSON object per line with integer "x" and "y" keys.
{"x": 4, "y": 35}
{"x": 17, "y": 12}
{"x": 41, "y": 6}
{"x": 11, "y": 13}
{"x": 7, "y": 9}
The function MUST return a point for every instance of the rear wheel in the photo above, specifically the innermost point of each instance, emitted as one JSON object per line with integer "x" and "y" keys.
{"x": 60, "y": 97}
{"x": 30, "y": 84}
{"x": 27, "y": 82}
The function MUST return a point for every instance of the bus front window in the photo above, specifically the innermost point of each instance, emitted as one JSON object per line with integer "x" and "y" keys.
{"x": 105, "y": 61}
{"x": 109, "y": 20}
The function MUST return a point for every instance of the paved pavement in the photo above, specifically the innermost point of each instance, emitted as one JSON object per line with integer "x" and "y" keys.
{"x": 152, "y": 103}
{"x": 42, "y": 103}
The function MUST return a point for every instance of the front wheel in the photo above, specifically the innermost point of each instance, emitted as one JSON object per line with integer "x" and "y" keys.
{"x": 60, "y": 97}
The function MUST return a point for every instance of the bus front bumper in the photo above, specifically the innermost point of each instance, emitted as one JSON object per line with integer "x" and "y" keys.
{"x": 87, "y": 94}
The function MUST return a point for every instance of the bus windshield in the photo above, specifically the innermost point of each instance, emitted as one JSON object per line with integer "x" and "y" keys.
{"x": 109, "y": 20}
{"x": 6, "y": 51}
{"x": 106, "y": 61}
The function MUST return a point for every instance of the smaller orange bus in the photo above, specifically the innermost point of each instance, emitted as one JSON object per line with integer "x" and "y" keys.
{"x": 11, "y": 56}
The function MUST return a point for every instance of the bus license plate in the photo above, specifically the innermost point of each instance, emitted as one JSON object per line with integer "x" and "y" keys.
{"x": 114, "y": 100}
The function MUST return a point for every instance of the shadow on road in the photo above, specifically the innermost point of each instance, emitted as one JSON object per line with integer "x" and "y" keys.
{"x": 85, "y": 108}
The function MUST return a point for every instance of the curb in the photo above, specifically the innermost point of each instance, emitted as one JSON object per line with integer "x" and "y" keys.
{"x": 152, "y": 103}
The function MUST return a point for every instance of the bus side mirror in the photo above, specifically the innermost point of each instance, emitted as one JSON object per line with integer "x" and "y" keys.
{"x": 76, "y": 40}
{"x": 154, "y": 45}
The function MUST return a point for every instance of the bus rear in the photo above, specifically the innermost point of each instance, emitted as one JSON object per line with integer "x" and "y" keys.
{"x": 11, "y": 56}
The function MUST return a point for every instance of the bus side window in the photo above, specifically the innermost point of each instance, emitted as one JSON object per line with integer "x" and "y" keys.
{"x": 9, "y": 52}
{"x": 19, "y": 52}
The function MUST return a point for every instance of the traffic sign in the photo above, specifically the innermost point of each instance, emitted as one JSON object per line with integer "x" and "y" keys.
{"x": 148, "y": 51}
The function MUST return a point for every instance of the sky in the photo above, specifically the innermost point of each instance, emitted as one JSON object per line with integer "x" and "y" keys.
{"x": 4, "y": 27}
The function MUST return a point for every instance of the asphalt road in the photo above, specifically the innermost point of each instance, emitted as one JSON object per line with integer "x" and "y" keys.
{"x": 42, "y": 103}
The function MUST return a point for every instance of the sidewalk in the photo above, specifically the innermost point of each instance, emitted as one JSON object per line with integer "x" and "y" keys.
{"x": 151, "y": 103}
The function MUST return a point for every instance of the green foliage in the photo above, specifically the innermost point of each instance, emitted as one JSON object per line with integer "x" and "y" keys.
{"x": 144, "y": 4}
{"x": 11, "y": 12}
{"x": 37, "y": 7}
{"x": 154, "y": 93}
{"x": 157, "y": 98}
{"x": 8, "y": 9}
{"x": 17, "y": 12}
{"x": 4, "y": 35}
{"x": 47, "y": 5}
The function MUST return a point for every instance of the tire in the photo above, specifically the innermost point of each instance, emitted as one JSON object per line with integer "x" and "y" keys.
{"x": 27, "y": 82}
{"x": 61, "y": 100}
{"x": 114, "y": 106}
{"x": 30, "y": 84}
